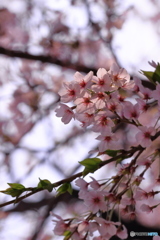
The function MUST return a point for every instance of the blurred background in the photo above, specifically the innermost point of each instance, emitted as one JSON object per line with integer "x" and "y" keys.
{"x": 43, "y": 43}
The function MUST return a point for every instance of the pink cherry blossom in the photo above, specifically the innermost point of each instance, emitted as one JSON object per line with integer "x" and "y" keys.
{"x": 156, "y": 238}
{"x": 83, "y": 81}
{"x": 153, "y": 64}
{"x": 144, "y": 162}
{"x": 65, "y": 112}
{"x": 156, "y": 93}
{"x": 119, "y": 76}
{"x": 122, "y": 232}
{"x": 94, "y": 184}
{"x": 99, "y": 99}
{"x": 106, "y": 227}
{"x": 147, "y": 93}
{"x": 84, "y": 104}
{"x": 108, "y": 141}
{"x": 127, "y": 201}
{"x": 85, "y": 118}
{"x": 69, "y": 92}
{"x": 89, "y": 226}
{"x": 137, "y": 84}
{"x": 131, "y": 111}
{"x": 83, "y": 187}
{"x": 60, "y": 226}
{"x": 144, "y": 136}
{"x": 102, "y": 81}
{"x": 80, "y": 182}
{"x": 94, "y": 200}
{"x": 146, "y": 208}
{"x": 102, "y": 122}
{"x": 140, "y": 194}
{"x": 114, "y": 106}
{"x": 83, "y": 226}
{"x": 143, "y": 106}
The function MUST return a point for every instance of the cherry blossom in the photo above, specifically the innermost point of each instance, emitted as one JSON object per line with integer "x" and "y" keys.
{"x": 69, "y": 92}
{"x": 65, "y": 112}
{"x": 85, "y": 118}
{"x": 140, "y": 194}
{"x": 102, "y": 81}
{"x": 144, "y": 136}
{"x": 83, "y": 81}
{"x": 153, "y": 64}
{"x": 143, "y": 106}
{"x": 119, "y": 76}
{"x": 83, "y": 187}
{"x": 60, "y": 226}
{"x": 108, "y": 141}
{"x": 156, "y": 93}
{"x": 156, "y": 238}
{"x": 147, "y": 93}
{"x": 131, "y": 111}
{"x": 99, "y": 99}
{"x": 146, "y": 208}
{"x": 106, "y": 227}
{"x": 122, "y": 232}
{"x": 94, "y": 184}
{"x": 102, "y": 123}
{"x": 94, "y": 200}
{"x": 84, "y": 104}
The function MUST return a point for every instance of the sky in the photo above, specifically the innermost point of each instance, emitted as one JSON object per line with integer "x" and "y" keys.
{"x": 135, "y": 43}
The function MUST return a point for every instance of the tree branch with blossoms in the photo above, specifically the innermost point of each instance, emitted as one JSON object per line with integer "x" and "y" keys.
{"x": 102, "y": 103}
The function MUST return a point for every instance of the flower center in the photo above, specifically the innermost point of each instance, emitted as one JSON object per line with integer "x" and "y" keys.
{"x": 96, "y": 200}
{"x": 72, "y": 92}
{"x": 108, "y": 138}
{"x": 147, "y": 135}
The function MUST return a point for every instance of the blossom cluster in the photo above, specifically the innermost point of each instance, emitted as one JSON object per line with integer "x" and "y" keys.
{"x": 103, "y": 102}
{"x": 99, "y": 103}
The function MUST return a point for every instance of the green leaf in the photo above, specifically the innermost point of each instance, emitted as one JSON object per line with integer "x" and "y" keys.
{"x": 13, "y": 192}
{"x": 149, "y": 75}
{"x": 91, "y": 165}
{"x": 17, "y": 186}
{"x": 65, "y": 187}
{"x": 156, "y": 74}
{"x": 153, "y": 76}
{"x": 45, "y": 184}
{"x": 111, "y": 153}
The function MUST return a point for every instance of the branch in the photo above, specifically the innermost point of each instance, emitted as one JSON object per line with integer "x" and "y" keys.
{"x": 35, "y": 190}
{"x": 64, "y": 64}
{"x": 123, "y": 155}
{"x": 45, "y": 59}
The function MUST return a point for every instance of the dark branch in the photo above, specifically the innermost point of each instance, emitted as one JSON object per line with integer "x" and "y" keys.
{"x": 52, "y": 60}
{"x": 45, "y": 59}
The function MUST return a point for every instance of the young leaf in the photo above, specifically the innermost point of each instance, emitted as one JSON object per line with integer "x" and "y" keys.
{"x": 156, "y": 74}
{"x": 149, "y": 75}
{"x": 45, "y": 184}
{"x": 66, "y": 187}
{"x": 91, "y": 165}
{"x": 13, "y": 192}
{"x": 17, "y": 186}
{"x": 153, "y": 76}
{"x": 112, "y": 153}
